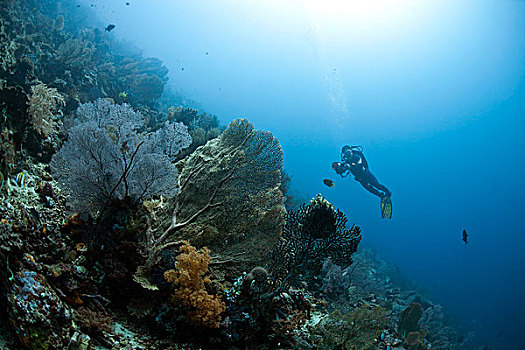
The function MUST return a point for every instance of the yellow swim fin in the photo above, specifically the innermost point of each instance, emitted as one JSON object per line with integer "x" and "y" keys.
{"x": 386, "y": 207}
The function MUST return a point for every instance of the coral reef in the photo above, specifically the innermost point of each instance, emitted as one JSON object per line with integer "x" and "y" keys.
{"x": 434, "y": 322}
{"x": 409, "y": 321}
{"x": 257, "y": 318}
{"x": 229, "y": 200}
{"x": 335, "y": 282}
{"x": 415, "y": 341}
{"x": 202, "y": 126}
{"x": 44, "y": 105}
{"x": 41, "y": 319}
{"x": 190, "y": 278}
{"x": 147, "y": 178}
{"x": 74, "y": 53}
{"x": 357, "y": 330}
{"x": 312, "y": 234}
{"x": 147, "y": 87}
{"x": 8, "y": 155}
{"x": 138, "y": 81}
{"x": 106, "y": 157}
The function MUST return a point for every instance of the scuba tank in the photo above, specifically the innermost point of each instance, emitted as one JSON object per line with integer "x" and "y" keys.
{"x": 347, "y": 150}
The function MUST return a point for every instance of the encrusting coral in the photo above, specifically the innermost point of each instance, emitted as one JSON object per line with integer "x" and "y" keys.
{"x": 190, "y": 279}
{"x": 357, "y": 330}
{"x": 415, "y": 341}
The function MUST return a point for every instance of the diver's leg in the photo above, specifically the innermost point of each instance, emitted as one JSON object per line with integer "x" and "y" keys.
{"x": 374, "y": 183}
{"x": 371, "y": 189}
{"x": 384, "y": 189}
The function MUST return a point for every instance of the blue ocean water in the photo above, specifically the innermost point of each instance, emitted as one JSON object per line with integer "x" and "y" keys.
{"x": 434, "y": 91}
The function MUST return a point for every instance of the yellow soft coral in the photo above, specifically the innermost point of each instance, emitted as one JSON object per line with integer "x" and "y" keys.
{"x": 189, "y": 278}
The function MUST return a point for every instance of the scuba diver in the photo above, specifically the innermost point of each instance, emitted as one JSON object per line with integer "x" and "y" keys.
{"x": 353, "y": 162}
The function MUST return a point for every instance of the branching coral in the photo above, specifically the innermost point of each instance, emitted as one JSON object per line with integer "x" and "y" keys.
{"x": 9, "y": 47}
{"x": 190, "y": 279}
{"x": 44, "y": 104}
{"x": 313, "y": 233}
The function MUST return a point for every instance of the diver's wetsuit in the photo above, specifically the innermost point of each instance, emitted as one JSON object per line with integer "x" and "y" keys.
{"x": 354, "y": 161}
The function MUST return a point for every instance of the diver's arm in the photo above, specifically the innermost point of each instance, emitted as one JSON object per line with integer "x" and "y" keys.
{"x": 346, "y": 170}
{"x": 362, "y": 160}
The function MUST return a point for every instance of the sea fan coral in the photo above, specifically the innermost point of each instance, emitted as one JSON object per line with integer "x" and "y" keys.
{"x": 409, "y": 321}
{"x": 190, "y": 279}
{"x": 106, "y": 158}
{"x": 229, "y": 200}
{"x": 74, "y": 52}
{"x": 313, "y": 233}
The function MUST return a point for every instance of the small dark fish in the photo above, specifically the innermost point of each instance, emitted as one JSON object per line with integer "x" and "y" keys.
{"x": 78, "y": 5}
{"x": 206, "y": 52}
{"x": 35, "y": 216}
{"x": 465, "y": 237}
{"x": 127, "y": 4}
{"x": 329, "y": 183}
{"x": 109, "y": 28}
{"x": 182, "y": 68}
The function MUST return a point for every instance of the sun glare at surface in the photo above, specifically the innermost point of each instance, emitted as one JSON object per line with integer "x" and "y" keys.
{"x": 373, "y": 20}
{"x": 366, "y": 10}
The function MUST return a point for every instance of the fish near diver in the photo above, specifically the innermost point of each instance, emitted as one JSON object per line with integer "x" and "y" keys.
{"x": 329, "y": 183}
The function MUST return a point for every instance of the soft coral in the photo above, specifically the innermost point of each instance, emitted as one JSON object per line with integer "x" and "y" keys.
{"x": 190, "y": 280}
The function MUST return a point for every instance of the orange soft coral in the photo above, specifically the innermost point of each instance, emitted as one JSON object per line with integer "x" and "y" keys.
{"x": 189, "y": 277}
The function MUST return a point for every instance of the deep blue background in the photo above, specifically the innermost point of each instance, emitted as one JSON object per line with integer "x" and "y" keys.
{"x": 433, "y": 90}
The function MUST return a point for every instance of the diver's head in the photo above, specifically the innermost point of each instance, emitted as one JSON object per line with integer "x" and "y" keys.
{"x": 346, "y": 153}
{"x": 338, "y": 167}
